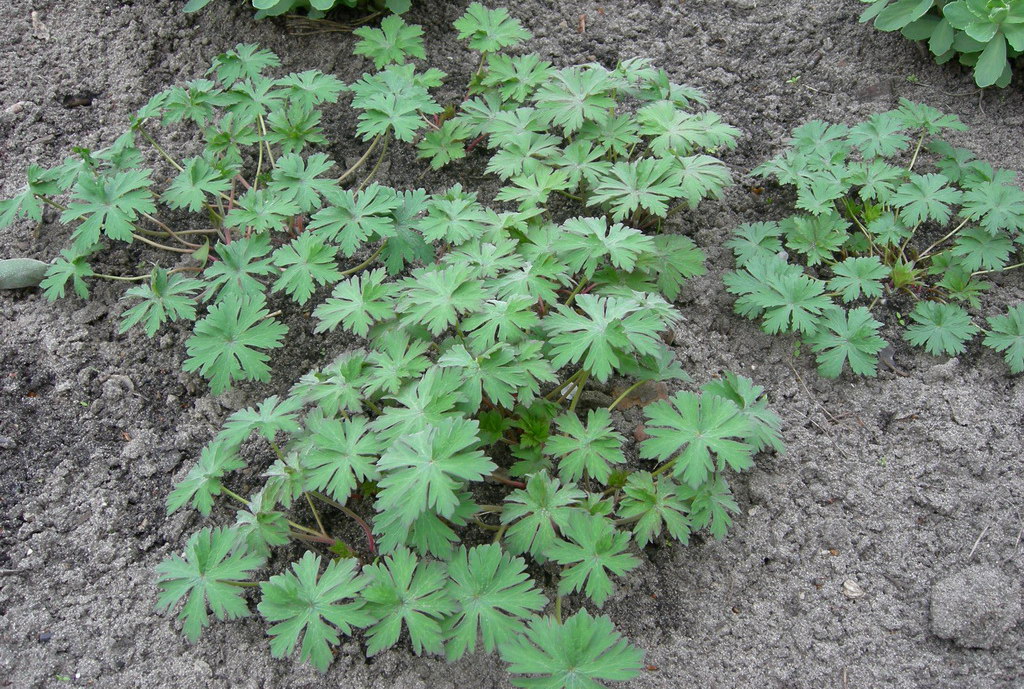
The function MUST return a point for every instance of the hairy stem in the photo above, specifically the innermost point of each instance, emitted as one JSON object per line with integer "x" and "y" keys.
{"x": 359, "y": 163}
{"x": 621, "y": 397}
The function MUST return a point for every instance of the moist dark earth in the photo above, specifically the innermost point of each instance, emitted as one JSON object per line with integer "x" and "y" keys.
{"x": 883, "y": 549}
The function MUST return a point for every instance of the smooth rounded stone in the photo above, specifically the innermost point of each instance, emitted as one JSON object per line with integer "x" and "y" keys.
{"x": 975, "y": 607}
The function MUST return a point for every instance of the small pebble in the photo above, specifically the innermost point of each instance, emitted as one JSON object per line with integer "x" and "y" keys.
{"x": 851, "y": 589}
{"x": 45, "y": 637}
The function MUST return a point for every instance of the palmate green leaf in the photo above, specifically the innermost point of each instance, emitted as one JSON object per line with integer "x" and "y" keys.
{"x": 977, "y": 248}
{"x": 494, "y": 595}
{"x": 535, "y": 512}
{"x": 532, "y": 191}
{"x": 674, "y": 260}
{"x": 394, "y": 42}
{"x": 607, "y": 329}
{"x": 505, "y": 373}
{"x": 755, "y": 240}
{"x": 357, "y": 303}
{"x": 710, "y": 505}
{"x": 876, "y": 178}
{"x": 880, "y": 135}
{"x": 225, "y": 345}
{"x": 311, "y": 87}
{"x": 652, "y": 506}
{"x": 425, "y": 470}
{"x": 488, "y": 31}
{"x": 960, "y": 284}
{"x": 305, "y": 602}
{"x": 396, "y": 359}
{"x": 455, "y": 217}
{"x": 1006, "y": 335}
{"x": 590, "y": 242}
{"x": 394, "y": 100}
{"x": 244, "y": 61}
{"x": 190, "y": 188}
{"x": 995, "y": 206}
{"x": 166, "y": 298}
{"x": 342, "y": 455}
{"x": 288, "y": 478}
{"x": 583, "y": 162}
{"x": 211, "y": 560}
{"x": 26, "y": 204}
{"x": 405, "y": 590}
{"x": 406, "y": 244}
{"x": 338, "y": 387}
{"x": 824, "y": 144}
{"x": 487, "y": 259}
{"x": 940, "y": 328}
{"x": 109, "y": 204}
{"x": 445, "y": 144}
{"x": 817, "y": 237}
{"x": 515, "y": 77}
{"x": 687, "y": 429}
{"x": 501, "y": 321}
{"x": 586, "y": 450}
{"x": 436, "y": 297}
{"x": 858, "y": 276}
{"x": 594, "y": 548}
{"x": 579, "y": 654}
{"x": 789, "y": 300}
{"x": 888, "y": 230}
{"x": 259, "y": 527}
{"x": 574, "y": 95}
{"x": 305, "y": 263}
{"x": 271, "y": 416}
{"x": 925, "y": 197}
{"x": 195, "y": 101}
{"x": 649, "y": 183}
{"x": 262, "y": 211}
{"x": 523, "y": 154}
{"x": 241, "y": 265}
{"x": 353, "y": 218}
{"x": 818, "y": 196}
{"x": 615, "y": 135}
{"x": 71, "y": 265}
{"x": 677, "y": 132}
{"x": 428, "y": 401}
{"x": 295, "y": 127}
{"x": 847, "y": 337}
{"x": 429, "y": 534}
{"x": 300, "y": 181}
{"x": 202, "y": 484}
{"x": 766, "y": 426}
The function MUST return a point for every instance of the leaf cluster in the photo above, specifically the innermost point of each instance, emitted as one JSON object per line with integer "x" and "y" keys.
{"x": 873, "y": 223}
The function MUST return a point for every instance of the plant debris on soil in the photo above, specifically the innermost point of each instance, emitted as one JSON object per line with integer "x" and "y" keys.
{"x": 883, "y": 549}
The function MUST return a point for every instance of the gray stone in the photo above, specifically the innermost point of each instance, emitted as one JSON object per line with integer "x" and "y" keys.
{"x": 975, "y": 607}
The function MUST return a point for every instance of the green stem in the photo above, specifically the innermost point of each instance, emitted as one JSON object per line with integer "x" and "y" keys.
{"x": 662, "y": 468}
{"x": 316, "y": 515}
{"x": 373, "y": 170}
{"x": 263, "y": 137}
{"x": 240, "y": 584}
{"x": 175, "y": 249}
{"x": 367, "y": 531}
{"x": 500, "y": 532}
{"x": 621, "y": 397}
{"x": 359, "y": 163}
{"x": 50, "y": 202}
{"x": 917, "y": 150}
{"x": 927, "y": 252}
{"x": 160, "y": 149}
{"x": 579, "y": 390}
{"x": 169, "y": 231}
{"x": 234, "y": 496}
{"x": 572, "y": 295}
{"x": 365, "y": 264}
{"x": 563, "y": 384}
{"x": 997, "y": 270}
{"x": 558, "y": 609}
